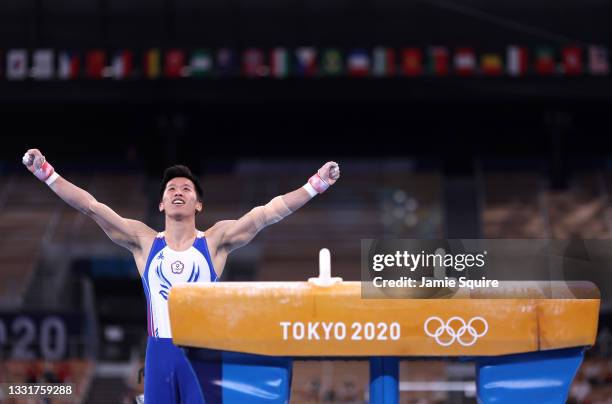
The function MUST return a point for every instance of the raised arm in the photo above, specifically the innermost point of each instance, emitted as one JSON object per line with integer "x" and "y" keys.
{"x": 236, "y": 233}
{"x": 125, "y": 232}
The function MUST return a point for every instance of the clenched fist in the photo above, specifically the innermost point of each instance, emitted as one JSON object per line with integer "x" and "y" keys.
{"x": 36, "y": 163}
{"x": 325, "y": 177}
{"x": 330, "y": 172}
{"x": 33, "y": 160}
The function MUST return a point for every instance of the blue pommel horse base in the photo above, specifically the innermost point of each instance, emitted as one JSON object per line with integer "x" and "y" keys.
{"x": 532, "y": 378}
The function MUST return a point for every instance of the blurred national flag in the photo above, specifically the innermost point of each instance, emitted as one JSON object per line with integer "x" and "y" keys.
{"x": 43, "y": 64}
{"x": 465, "y": 61}
{"x": 279, "y": 63}
{"x": 16, "y": 64}
{"x": 358, "y": 63}
{"x": 491, "y": 64}
{"x": 516, "y": 60}
{"x": 545, "y": 61}
{"x": 95, "y": 62}
{"x": 384, "y": 62}
{"x": 331, "y": 62}
{"x": 122, "y": 64}
{"x": 174, "y": 63}
{"x": 201, "y": 63}
{"x": 306, "y": 61}
{"x": 69, "y": 65}
{"x": 572, "y": 60}
{"x": 438, "y": 61}
{"x": 227, "y": 63}
{"x": 253, "y": 63}
{"x": 152, "y": 64}
{"x": 599, "y": 60}
{"x": 412, "y": 61}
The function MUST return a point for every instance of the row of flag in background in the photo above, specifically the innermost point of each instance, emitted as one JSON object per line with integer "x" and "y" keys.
{"x": 516, "y": 61}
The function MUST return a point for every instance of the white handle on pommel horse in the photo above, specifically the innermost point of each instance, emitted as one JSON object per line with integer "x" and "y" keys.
{"x": 324, "y": 278}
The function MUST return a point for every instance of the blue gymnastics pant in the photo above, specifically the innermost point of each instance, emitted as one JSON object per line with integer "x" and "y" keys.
{"x": 169, "y": 377}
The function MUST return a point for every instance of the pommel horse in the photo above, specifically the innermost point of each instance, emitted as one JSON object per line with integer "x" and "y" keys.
{"x": 527, "y": 339}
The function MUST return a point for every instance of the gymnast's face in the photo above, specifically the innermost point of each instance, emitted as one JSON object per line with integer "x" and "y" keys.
{"x": 180, "y": 198}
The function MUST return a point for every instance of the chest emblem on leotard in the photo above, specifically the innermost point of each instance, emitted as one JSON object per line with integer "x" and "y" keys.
{"x": 177, "y": 267}
{"x": 165, "y": 284}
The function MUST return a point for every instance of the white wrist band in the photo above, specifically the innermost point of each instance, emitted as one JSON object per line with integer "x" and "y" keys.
{"x": 310, "y": 189}
{"x": 52, "y": 178}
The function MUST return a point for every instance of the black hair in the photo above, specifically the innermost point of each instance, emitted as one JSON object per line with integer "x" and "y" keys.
{"x": 180, "y": 171}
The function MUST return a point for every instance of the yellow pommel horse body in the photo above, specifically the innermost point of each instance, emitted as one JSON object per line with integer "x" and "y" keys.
{"x": 527, "y": 341}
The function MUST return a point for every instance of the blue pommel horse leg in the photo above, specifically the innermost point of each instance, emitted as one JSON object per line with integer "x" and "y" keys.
{"x": 233, "y": 377}
{"x": 542, "y": 377}
{"x": 384, "y": 376}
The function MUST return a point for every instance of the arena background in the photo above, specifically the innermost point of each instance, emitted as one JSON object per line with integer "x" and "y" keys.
{"x": 421, "y": 157}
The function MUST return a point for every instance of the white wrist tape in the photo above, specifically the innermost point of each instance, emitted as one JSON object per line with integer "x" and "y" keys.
{"x": 52, "y": 178}
{"x": 310, "y": 189}
{"x": 273, "y": 212}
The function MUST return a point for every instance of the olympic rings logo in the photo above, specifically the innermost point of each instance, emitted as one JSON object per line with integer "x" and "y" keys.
{"x": 466, "y": 334}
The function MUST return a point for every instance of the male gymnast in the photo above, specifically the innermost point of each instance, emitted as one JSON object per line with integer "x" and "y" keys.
{"x": 181, "y": 253}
